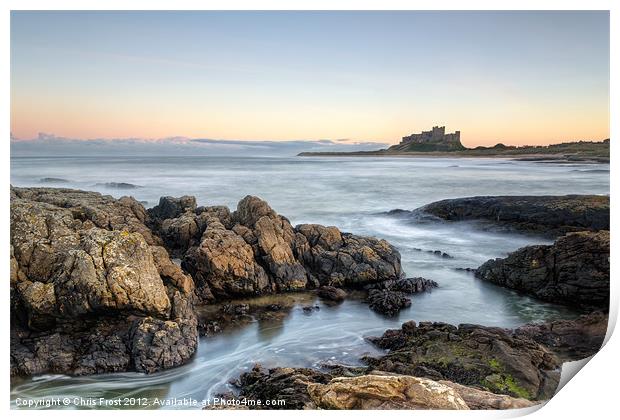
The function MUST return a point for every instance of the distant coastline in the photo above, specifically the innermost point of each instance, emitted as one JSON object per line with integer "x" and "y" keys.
{"x": 581, "y": 151}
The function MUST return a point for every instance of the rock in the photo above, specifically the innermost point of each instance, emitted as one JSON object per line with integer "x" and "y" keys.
{"x": 86, "y": 272}
{"x": 573, "y": 271}
{"x": 477, "y": 399}
{"x": 281, "y": 383}
{"x": 492, "y": 359}
{"x": 157, "y": 344}
{"x": 274, "y": 239}
{"x": 385, "y": 392}
{"x": 555, "y": 215}
{"x": 262, "y": 253}
{"x": 51, "y": 180}
{"x": 573, "y": 339}
{"x": 387, "y": 302}
{"x": 342, "y": 259}
{"x": 118, "y": 185}
{"x": 224, "y": 265}
{"x": 90, "y": 208}
{"x": 411, "y": 285}
{"x": 180, "y": 234}
{"x": 172, "y": 207}
{"x": 332, "y": 293}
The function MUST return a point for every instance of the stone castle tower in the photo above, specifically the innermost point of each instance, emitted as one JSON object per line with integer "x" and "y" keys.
{"x": 434, "y": 140}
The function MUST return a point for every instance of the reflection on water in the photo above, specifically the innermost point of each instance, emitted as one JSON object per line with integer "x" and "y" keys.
{"x": 344, "y": 192}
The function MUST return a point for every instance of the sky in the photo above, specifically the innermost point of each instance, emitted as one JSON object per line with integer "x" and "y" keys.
{"x": 511, "y": 77}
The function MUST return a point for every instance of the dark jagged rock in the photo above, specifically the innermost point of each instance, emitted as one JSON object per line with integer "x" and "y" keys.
{"x": 118, "y": 185}
{"x": 494, "y": 359}
{"x": 91, "y": 289}
{"x": 51, "y": 180}
{"x": 389, "y": 297}
{"x": 332, "y": 293}
{"x": 544, "y": 214}
{"x": 573, "y": 339}
{"x": 387, "y": 302}
{"x": 342, "y": 259}
{"x": 407, "y": 285}
{"x": 171, "y": 207}
{"x": 573, "y": 271}
{"x": 289, "y": 384}
{"x": 262, "y": 253}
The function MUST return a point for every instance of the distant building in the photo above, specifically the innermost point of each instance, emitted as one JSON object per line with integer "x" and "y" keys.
{"x": 429, "y": 141}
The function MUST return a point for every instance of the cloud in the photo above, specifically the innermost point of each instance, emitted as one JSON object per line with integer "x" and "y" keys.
{"x": 51, "y": 145}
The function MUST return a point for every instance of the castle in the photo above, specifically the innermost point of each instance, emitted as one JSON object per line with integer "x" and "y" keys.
{"x": 430, "y": 141}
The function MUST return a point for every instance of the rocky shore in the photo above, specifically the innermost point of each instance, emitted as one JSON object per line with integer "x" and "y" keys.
{"x": 93, "y": 287}
{"x": 100, "y": 285}
{"x": 438, "y": 366}
{"x": 546, "y": 215}
{"x": 573, "y": 271}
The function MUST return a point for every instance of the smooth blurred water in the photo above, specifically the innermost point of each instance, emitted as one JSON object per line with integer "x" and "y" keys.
{"x": 346, "y": 192}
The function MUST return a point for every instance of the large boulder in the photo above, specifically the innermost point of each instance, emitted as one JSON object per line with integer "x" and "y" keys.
{"x": 493, "y": 359}
{"x": 387, "y": 302}
{"x": 573, "y": 271}
{"x": 82, "y": 279}
{"x": 273, "y": 242}
{"x": 223, "y": 265}
{"x": 553, "y": 215}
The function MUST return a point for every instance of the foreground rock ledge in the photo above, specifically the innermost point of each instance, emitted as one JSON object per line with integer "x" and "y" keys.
{"x": 303, "y": 388}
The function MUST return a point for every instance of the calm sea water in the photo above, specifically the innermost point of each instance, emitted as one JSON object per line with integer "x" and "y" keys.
{"x": 346, "y": 192}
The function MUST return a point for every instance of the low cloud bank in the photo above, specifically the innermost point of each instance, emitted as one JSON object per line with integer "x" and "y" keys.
{"x": 50, "y": 145}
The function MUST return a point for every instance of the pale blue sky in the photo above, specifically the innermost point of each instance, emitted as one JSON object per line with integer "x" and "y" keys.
{"x": 517, "y": 77}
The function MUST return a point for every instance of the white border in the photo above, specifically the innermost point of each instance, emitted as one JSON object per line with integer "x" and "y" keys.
{"x": 592, "y": 394}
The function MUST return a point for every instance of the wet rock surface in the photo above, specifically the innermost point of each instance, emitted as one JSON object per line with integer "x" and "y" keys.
{"x": 389, "y": 297}
{"x": 331, "y": 293}
{"x": 549, "y": 215}
{"x": 387, "y": 302}
{"x": 573, "y": 271}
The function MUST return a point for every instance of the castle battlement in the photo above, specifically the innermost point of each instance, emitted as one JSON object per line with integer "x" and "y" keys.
{"x": 434, "y": 139}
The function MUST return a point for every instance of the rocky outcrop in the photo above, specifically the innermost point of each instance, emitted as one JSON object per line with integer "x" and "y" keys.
{"x": 573, "y": 271}
{"x": 385, "y": 392}
{"x": 390, "y": 296}
{"x": 255, "y": 251}
{"x": 303, "y": 388}
{"x": 554, "y": 215}
{"x": 342, "y": 259}
{"x": 92, "y": 290}
{"x": 477, "y": 399}
{"x": 387, "y": 302}
{"x": 492, "y": 359}
{"x": 572, "y": 339}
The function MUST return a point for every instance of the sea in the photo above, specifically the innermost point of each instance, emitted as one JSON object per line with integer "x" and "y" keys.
{"x": 353, "y": 193}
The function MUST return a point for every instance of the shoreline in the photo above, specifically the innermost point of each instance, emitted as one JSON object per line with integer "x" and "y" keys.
{"x": 526, "y": 157}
